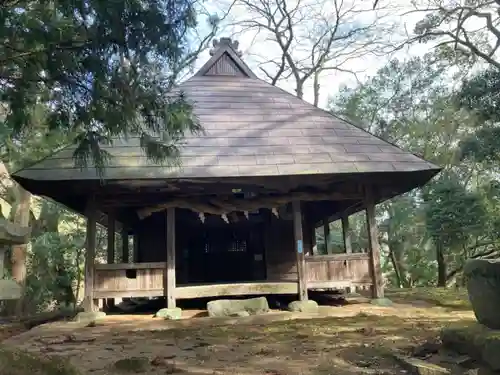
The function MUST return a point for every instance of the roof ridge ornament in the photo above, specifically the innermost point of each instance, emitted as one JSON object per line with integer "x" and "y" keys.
{"x": 222, "y": 42}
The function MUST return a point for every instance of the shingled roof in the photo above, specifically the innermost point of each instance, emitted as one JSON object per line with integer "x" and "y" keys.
{"x": 251, "y": 129}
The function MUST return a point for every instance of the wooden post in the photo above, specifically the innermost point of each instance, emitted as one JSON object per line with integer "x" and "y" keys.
{"x": 169, "y": 276}
{"x": 90, "y": 303}
{"x": 299, "y": 249}
{"x": 110, "y": 302}
{"x": 346, "y": 233}
{"x": 326, "y": 233}
{"x": 373, "y": 247}
{"x": 124, "y": 245}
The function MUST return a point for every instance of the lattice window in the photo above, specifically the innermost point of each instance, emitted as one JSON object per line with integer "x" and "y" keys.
{"x": 238, "y": 246}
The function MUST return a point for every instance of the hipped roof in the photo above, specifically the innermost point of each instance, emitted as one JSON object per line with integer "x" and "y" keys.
{"x": 252, "y": 128}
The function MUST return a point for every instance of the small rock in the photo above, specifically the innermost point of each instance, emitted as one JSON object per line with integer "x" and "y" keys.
{"x": 79, "y": 339}
{"x": 426, "y": 348}
{"x": 308, "y": 306}
{"x": 174, "y": 313}
{"x": 89, "y": 316}
{"x": 364, "y": 364}
{"x": 132, "y": 365}
{"x": 159, "y": 361}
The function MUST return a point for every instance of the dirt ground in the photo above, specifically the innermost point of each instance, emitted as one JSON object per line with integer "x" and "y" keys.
{"x": 353, "y": 339}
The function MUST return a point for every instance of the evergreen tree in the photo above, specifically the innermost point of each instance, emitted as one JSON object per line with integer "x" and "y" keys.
{"x": 101, "y": 68}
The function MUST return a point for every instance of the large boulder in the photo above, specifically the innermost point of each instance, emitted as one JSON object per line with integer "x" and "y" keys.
{"x": 169, "y": 313}
{"x": 308, "y": 306}
{"x": 234, "y": 307}
{"x": 483, "y": 286}
{"x": 87, "y": 317}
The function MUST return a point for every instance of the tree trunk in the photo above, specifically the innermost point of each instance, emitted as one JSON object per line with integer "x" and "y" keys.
{"x": 19, "y": 252}
{"x": 441, "y": 262}
{"x": 316, "y": 87}
{"x": 396, "y": 269}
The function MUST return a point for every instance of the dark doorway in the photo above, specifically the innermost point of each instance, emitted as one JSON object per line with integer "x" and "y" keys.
{"x": 228, "y": 253}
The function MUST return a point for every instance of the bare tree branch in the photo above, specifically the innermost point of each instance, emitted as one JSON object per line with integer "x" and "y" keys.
{"x": 456, "y": 22}
{"x": 311, "y": 37}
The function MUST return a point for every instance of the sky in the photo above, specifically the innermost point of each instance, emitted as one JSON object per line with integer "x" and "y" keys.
{"x": 255, "y": 48}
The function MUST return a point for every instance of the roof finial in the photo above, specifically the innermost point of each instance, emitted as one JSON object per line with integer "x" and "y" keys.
{"x": 220, "y": 43}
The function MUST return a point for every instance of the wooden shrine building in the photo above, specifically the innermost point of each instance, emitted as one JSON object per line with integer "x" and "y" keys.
{"x": 238, "y": 215}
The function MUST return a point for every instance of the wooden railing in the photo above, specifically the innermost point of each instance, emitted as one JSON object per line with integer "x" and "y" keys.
{"x": 338, "y": 271}
{"x": 129, "y": 280}
{"x": 146, "y": 279}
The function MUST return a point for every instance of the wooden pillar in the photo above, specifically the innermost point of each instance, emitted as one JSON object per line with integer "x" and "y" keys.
{"x": 124, "y": 245}
{"x": 326, "y": 233}
{"x": 169, "y": 276}
{"x": 346, "y": 233}
{"x": 373, "y": 247}
{"x": 299, "y": 249}
{"x": 110, "y": 302}
{"x": 90, "y": 303}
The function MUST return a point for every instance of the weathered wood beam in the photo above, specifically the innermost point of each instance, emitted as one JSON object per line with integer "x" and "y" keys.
{"x": 90, "y": 303}
{"x": 350, "y": 210}
{"x": 374, "y": 247}
{"x": 299, "y": 250}
{"x": 346, "y": 233}
{"x": 219, "y": 206}
{"x": 169, "y": 275}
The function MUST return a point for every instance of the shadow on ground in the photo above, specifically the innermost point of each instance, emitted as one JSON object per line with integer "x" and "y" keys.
{"x": 339, "y": 340}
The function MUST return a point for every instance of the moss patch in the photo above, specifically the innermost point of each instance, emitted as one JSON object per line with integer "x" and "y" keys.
{"x": 475, "y": 340}
{"x": 16, "y": 362}
{"x": 132, "y": 365}
{"x": 444, "y": 297}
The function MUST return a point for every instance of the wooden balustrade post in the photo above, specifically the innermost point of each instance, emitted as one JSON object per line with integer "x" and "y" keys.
{"x": 346, "y": 233}
{"x": 299, "y": 250}
{"x": 326, "y": 234}
{"x": 374, "y": 246}
{"x": 169, "y": 275}
{"x": 110, "y": 302}
{"x": 90, "y": 303}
